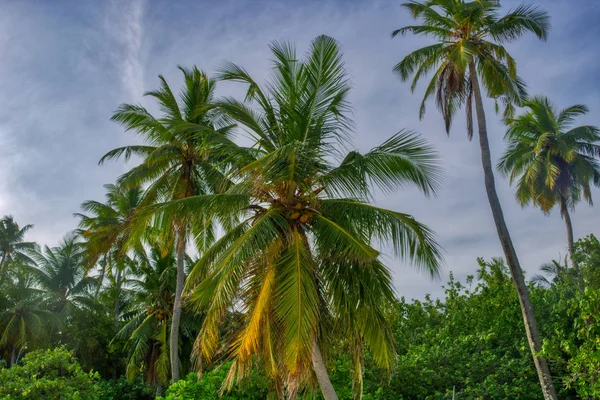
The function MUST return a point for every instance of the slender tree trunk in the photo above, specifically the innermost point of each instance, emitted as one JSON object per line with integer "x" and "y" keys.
{"x": 102, "y": 274}
{"x": 159, "y": 389}
{"x": 117, "y": 312}
{"x": 2, "y": 266}
{"x": 174, "y": 340}
{"x": 533, "y": 335}
{"x": 564, "y": 210}
{"x": 13, "y": 356}
{"x": 321, "y": 372}
{"x": 118, "y": 294}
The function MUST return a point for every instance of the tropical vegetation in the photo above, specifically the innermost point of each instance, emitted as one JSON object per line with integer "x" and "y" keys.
{"x": 243, "y": 255}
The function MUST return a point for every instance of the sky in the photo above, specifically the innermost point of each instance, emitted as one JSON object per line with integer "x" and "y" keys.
{"x": 66, "y": 66}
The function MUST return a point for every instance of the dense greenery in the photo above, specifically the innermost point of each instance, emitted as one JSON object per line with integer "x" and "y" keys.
{"x": 243, "y": 251}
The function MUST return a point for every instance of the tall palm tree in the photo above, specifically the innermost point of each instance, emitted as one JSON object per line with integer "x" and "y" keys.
{"x": 177, "y": 162}
{"x": 301, "y": 263}
{"x": 12, "y": 244}
{"x": 60, "y": 274}
{"x": 554, "y": 162}
{"x": 469, "y": 57}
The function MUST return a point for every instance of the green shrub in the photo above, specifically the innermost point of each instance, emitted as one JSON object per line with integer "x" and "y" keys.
{"x": 48, "y": 374}
{"x": 254, "y": 388}
{"x": 123, "y": 389}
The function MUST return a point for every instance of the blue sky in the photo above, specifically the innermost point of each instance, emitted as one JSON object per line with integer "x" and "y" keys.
{"x": 65, "y": 67}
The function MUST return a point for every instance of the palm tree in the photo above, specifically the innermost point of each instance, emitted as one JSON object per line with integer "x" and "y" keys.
{"x": 178, "y": 162}
{"x": 60, "y": 274}
{"x": 25, "y": 323}
{"x": 301, "y": 262}
{"x": 467, "y": 55}
{"x": 552, "y": 272}
{"x": 108, "y": 230}
{"x": 554, "y": 162}
{"x": 146, "y": 331}
{"x": 12, "y": 244}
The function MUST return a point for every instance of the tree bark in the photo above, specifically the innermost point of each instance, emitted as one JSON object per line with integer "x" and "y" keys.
{"x": 176, "y": 318}
{"x": 321, "y": 372}
{"x": 117, "y": 295}
{"x": 533, "y": 335}
{"x": 564, "y": 210}
{"x": 2, "y": 266}
{"x": 13, "y": 356}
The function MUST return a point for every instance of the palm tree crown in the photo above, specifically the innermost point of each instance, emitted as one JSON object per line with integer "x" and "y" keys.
{"x": 470, "y": 38}
{"x": 60, "y": 273}
{"x": 12, "y": 244}
{"x": 554, "y": 162}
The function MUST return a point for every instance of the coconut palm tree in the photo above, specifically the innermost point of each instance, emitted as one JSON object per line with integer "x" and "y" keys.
{"x": 467, "y": 58}
{"x": 25, "y": 323}
{"x": 12, "y": 244}
{"x": 177, "y": 162}
{"x": 302, "y": 262}
{"x": 107, "y": 233}
{"x": 60, "y": 275}
{"x": 554, "y": 162}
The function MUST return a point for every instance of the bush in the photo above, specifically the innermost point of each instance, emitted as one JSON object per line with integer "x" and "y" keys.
{"x": 48, "y": 374}
{"x": 255, "y": 387}
{"x": 123, "y": 389}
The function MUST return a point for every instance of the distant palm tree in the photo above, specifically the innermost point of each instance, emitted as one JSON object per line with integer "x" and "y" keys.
{"x": 107, "y": 232}
{"x": 178, "y": 161}
{"x": 149, "y": 315}
{"x": 469, "y": 57}
{"x": 554, "y": 162}
{"x": 25, "y": 323}
{"x": 60, "y": 275}
{"x": 552, "y": 272}
{"x": 301, "y": 263}
{"x": 12, "y": 244}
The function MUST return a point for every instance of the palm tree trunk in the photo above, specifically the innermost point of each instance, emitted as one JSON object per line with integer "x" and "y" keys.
{"x": 533, "y": 335}
{"x": 174, "y": 340}
{"x": 564, "y": 210}
{"x": 13, "y": 356}
{"x": 117, "y": 295}
{"x": 2, "y": 266}
{"x": 102, "y": 274}
{"x": 321, "y": 372}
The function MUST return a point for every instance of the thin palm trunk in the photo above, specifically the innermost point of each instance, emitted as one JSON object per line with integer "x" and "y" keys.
{"x": 2, "y": 266}
{"x": 117, "y": 295}
{"x": 564, "y": 210}
{"x": 13, "y": 356}
{"x": 533, "y": 335}
{"x": 321, "y": 372}
{"x": 102, "y": 274}
{"x": 174, "y": 340}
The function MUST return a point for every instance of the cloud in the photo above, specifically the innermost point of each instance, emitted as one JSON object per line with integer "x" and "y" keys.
{"x": 65, "y": 67}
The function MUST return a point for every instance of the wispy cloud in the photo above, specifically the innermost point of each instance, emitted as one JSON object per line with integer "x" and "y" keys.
{"x": 124, "y": 22}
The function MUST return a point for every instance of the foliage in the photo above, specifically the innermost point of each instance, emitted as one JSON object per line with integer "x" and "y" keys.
{"x": 209, "y": 387}
{"x": 48, "y": 374}
{"x": 297, "y": 196}
{"x": 555, "y": 162}
{"x": 470, "y": 38}
{"x": 124, "y": 389}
